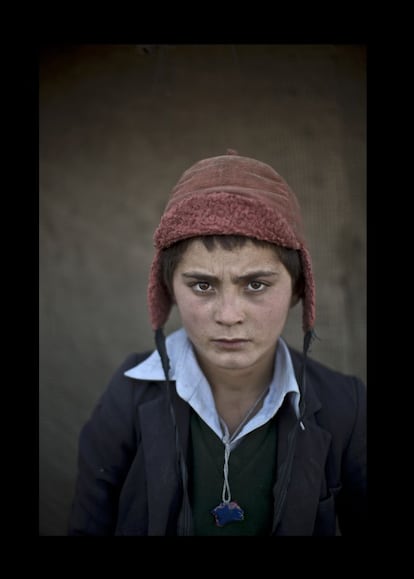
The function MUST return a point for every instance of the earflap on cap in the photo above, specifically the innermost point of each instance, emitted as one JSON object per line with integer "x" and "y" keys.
{"x": 158, "y": 296}
{"x": 308, "y": 299}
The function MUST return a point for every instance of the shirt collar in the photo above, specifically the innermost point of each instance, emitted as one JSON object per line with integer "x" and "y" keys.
{"x": 192, "y": 385}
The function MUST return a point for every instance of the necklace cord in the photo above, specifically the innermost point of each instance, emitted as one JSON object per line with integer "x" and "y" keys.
{"x": 227, "y": 440}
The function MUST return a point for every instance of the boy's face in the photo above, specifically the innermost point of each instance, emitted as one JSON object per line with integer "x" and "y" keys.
{"x": 233, "y": 305}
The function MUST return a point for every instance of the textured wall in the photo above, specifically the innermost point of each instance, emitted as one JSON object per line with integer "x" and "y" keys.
{"x": 118, "y": 125}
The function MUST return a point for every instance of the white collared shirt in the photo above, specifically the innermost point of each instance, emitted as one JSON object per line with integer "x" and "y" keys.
{"x": 192, "y": 385}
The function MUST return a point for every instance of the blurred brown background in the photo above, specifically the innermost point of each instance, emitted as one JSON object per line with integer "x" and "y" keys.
{"x": 118, "y": 125}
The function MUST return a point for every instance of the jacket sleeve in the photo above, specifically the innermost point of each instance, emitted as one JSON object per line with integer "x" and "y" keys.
{"x": 352, "y": 500}
{"x": 107, "y": 444}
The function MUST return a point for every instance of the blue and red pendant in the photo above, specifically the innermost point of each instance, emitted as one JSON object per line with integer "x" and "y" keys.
{"x": 226, "y": 513}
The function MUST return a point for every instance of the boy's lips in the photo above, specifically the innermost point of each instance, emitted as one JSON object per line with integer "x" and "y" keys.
{"x": 230, "y": 343}
{"x": 230, "y": 340}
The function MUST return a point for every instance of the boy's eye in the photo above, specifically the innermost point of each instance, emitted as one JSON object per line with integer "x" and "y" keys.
{"x": 255, "y": 286}
{"x": 201, "y": 286}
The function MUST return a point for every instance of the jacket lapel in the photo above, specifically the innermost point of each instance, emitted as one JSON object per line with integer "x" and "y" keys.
{"x": 158, "y": 439}
{"x": 303, "y": 494}
{"x": 312, "y": 446}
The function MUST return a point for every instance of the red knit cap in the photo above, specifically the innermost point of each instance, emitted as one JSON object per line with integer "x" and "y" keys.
{"x": 230, "y": 195}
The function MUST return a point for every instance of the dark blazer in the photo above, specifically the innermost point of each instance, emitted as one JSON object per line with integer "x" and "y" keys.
{"x": 128, "y": 481}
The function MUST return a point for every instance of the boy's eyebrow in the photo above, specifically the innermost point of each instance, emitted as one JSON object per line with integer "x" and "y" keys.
{"x": 249, "y": 275}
